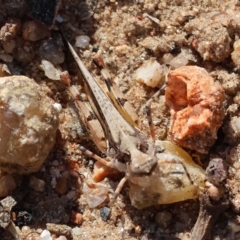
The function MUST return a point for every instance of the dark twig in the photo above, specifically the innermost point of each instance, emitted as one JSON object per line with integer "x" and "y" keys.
{"x": 208, "y": 215}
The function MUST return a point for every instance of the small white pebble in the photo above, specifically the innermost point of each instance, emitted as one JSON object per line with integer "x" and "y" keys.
{"x": 76, "y": 231}
{"x": 57, "y": 106}
{"x": 25, "y": 230}
{"x": 82, "y": 41}
{"x": 61, "y": 238}
{"x": 151, "y": 73}
{"x": 59, "y": 18}
{"x": 39, "y": 230}
{"x": 50, "y": 71}
{"x": 87, "y": 54}
{"x": 45, "y": 235}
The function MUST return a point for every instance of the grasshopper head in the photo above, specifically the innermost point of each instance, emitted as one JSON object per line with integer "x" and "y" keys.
{"x": 143, "y": 170}
{"x": 142, "y": 163}
{"x": 143, "y": 157}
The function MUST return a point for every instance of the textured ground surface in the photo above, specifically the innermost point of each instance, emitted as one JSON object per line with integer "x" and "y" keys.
{"x": 189, "y": 32}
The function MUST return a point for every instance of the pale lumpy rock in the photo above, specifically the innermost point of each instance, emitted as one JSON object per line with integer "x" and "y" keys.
{"x": 176, "y": 178}
{"x": 28, "y": 125}
{"x": 196, "y": 106}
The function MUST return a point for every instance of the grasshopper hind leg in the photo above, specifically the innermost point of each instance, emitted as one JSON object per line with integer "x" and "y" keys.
{"x": 110, "y": 165}
{"x": 96, "y": 157}
{"x": 119, "y": 187}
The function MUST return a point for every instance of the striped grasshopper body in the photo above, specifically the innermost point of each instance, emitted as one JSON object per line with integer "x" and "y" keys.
{"x": 126, "y": 142}
{"x": 131, "y": 151}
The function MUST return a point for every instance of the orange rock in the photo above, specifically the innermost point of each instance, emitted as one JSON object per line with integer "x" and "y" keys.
{"x": 196, "y": 104}
{"x": 34, "y": 31}
{"x": 76, "y": 218}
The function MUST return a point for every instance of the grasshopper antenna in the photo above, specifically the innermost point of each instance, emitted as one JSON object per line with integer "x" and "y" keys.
{"x": 149, "y": 112}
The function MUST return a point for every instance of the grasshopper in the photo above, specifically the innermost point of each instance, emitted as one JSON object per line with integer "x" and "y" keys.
{"x": 129, "y": 150}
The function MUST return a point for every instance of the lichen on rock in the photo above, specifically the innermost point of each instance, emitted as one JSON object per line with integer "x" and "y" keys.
{"x": 28, "y": 125}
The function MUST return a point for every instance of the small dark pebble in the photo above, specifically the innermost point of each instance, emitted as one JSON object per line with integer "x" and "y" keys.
{"x": 51, "y": 49}
{"x": 216, "y": 171}
{"x": 95, "y": 48}
{"x": 23, "y": 218}
{"x": 105, "y": 213}
{"x": 91, "y": 164}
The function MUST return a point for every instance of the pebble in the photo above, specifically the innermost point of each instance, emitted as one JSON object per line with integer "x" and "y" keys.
{"x": 82, "y": 41}
{"x": 152, "y": 43}
{"x": 24, "y": 130}
{"x": 182, "y": 59}
{"x": 71, "y": 195}
{"x": 160, "y": 186}
{"x": 194, "y": 98}
{"x": 151, "y": 73}
{"x": 105, "y": 213}
{"x": 53, "y": 182}
{"x": 55, "y": 163}
{"x": 216, "y": 172}
{"x": 10, "y": 29}
{"x": 62, "y": 185}
{"x": 4, "y": 70}
{"x": 60, "y": 229}
{"x": 37, "y": 184}
{"x": 76, "y": 218}
{"x": 209, "y": 38}
{"x": 25, "y": 230}
{"x": 61, "y": 238}
{"x": 50, "y": 71}
{"x": 52, "y": 50}
{"x": 76, "y": 231}
{"x": 236, "y": 53}
{"x": 45, "y": 235}
{"x": 55, "y": 172}
{"x": 6, "y": 57}
{"x": 95, "y": 193}
{"x": 34, "y": 31}
{"x": 138, "y": 229}
{"x": 122, "y": 50}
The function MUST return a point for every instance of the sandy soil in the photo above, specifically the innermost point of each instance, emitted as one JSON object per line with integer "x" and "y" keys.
{"x": 189, "y": 32}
